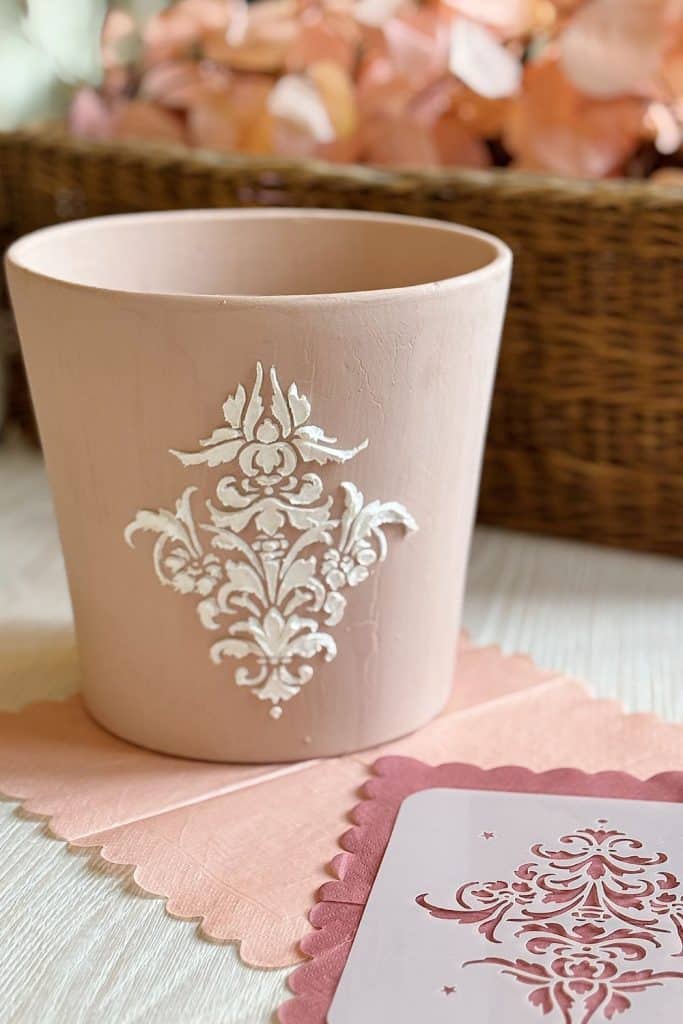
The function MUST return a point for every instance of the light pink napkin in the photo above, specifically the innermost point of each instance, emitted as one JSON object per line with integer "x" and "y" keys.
{"x": 245, "y": 849}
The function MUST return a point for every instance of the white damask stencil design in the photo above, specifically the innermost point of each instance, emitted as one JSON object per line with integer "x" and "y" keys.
{"x": 290, "y": 555}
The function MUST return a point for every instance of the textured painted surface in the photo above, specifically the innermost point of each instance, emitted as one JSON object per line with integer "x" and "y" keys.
{"x": 121, "y": 377}
{"x": 103, "y": 952}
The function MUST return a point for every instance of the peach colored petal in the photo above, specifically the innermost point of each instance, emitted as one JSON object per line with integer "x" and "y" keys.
{"x": 249, "y": 95}
{"x": 336, "y": 90}
{"x": 176, "y": 84}
{"x": 456, "y": 146}
{"x": 430, "y": 103}
{"x": 116, "y": 83}
{"x": 670, "y": 176}
{"x": 553, "y": 127}
{"x": 89, "y": 116}
{"x": 666, "y": 128}
{"x": 211, "y": 124}
{"x": 238, "y": 23}
{"x": 271, "y": 29}
{"x": 119, "y": 26}
{"x": 376, "y": 12}
{"x": 341, "y": 151}
{"x": 258, "y": 138}
{"x": 399, "y": 142}
{"x": 611, "y": 47}
{"x": 290, "y": 139}
{"x": 375, "y": 71}
{"x": 146, "y": 121}
{"x": 481, "y": 116}
{"x": 386, "y": 98}
{"x": 479, "y": 60}
{"x": 176, "y": 31}
{"x": 296, "y": 100}
{"x": 510, "y": 17}
{"x": 418, "y": 45}
{"x": 671, "y": 72}
{"x": 236, "y": 120}
{"x": 324, "y": 40}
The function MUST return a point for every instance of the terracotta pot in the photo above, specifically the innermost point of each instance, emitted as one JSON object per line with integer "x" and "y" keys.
{"x": 245, "y": 586}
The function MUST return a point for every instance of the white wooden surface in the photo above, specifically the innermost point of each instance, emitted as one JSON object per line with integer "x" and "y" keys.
{"x": 79, "y": 943}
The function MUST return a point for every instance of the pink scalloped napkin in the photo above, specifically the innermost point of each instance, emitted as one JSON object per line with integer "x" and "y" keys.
{"x": 459, "y": 882}
{"x": 244, "y": 849}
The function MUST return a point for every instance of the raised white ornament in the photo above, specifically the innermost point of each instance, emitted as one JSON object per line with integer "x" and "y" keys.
{"x": 291, "y": 556}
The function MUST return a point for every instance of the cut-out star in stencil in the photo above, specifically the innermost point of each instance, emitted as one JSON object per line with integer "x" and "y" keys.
{"x": 448, "y": 990}
{"x": 488, "y": 835}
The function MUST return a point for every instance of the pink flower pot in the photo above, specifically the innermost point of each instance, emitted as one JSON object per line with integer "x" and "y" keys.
{"x": 263, "y": 431}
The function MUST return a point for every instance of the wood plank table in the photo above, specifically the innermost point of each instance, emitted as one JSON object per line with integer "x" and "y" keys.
{"x": 79, "y": 942}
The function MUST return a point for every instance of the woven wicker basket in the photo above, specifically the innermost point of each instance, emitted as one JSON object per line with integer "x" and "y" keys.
{"x": 586, "y": 435}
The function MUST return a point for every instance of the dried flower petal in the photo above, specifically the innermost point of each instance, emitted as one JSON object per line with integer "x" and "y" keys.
{"x": 568, "y": 86}
{"x": 399, "y": 142}
{"x": 90, "y": 117}
{"x": 376, "y": 12}
{"x": 295, "y": 99}
{"x": 671, "y": 176}
{"x": 146, "y": 121}
{"x": 272, "y": 28}
{"x": 482, "y": 62}
{"x": 611, "y": 48}
{"x": 324, "y": 40}
{"x": 418, "y": 44}
{"x": 553, "y": 127}
{"x": 176, "y": 31}
{"x": 211, "y": 124}
{"x": 479, "y": 115}
{"x": 335, "y": 88}
{"x": 667, "y": 131}
{"x": 671, "y": 72}
{"x": 456, "y": 146}
{"x": 509, "y": 17}
{"x": 174, "y": 84}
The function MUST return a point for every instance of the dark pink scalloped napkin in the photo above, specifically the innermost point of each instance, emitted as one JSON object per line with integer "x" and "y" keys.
{"x": 337, "y": 914}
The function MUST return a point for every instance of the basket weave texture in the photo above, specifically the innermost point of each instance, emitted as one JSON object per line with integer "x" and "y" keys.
{"x": 586, "y": 434}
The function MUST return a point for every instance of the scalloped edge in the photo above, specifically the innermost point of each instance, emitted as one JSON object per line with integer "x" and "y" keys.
{"x": 340, "y": 903}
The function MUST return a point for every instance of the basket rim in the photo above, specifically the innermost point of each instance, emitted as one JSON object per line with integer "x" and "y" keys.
{"x": 399, "y": 180}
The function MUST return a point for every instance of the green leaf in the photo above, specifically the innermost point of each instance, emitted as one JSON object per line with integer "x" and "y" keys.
{"x": 69, "y": 34}
{"x": 29, "y": 88}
